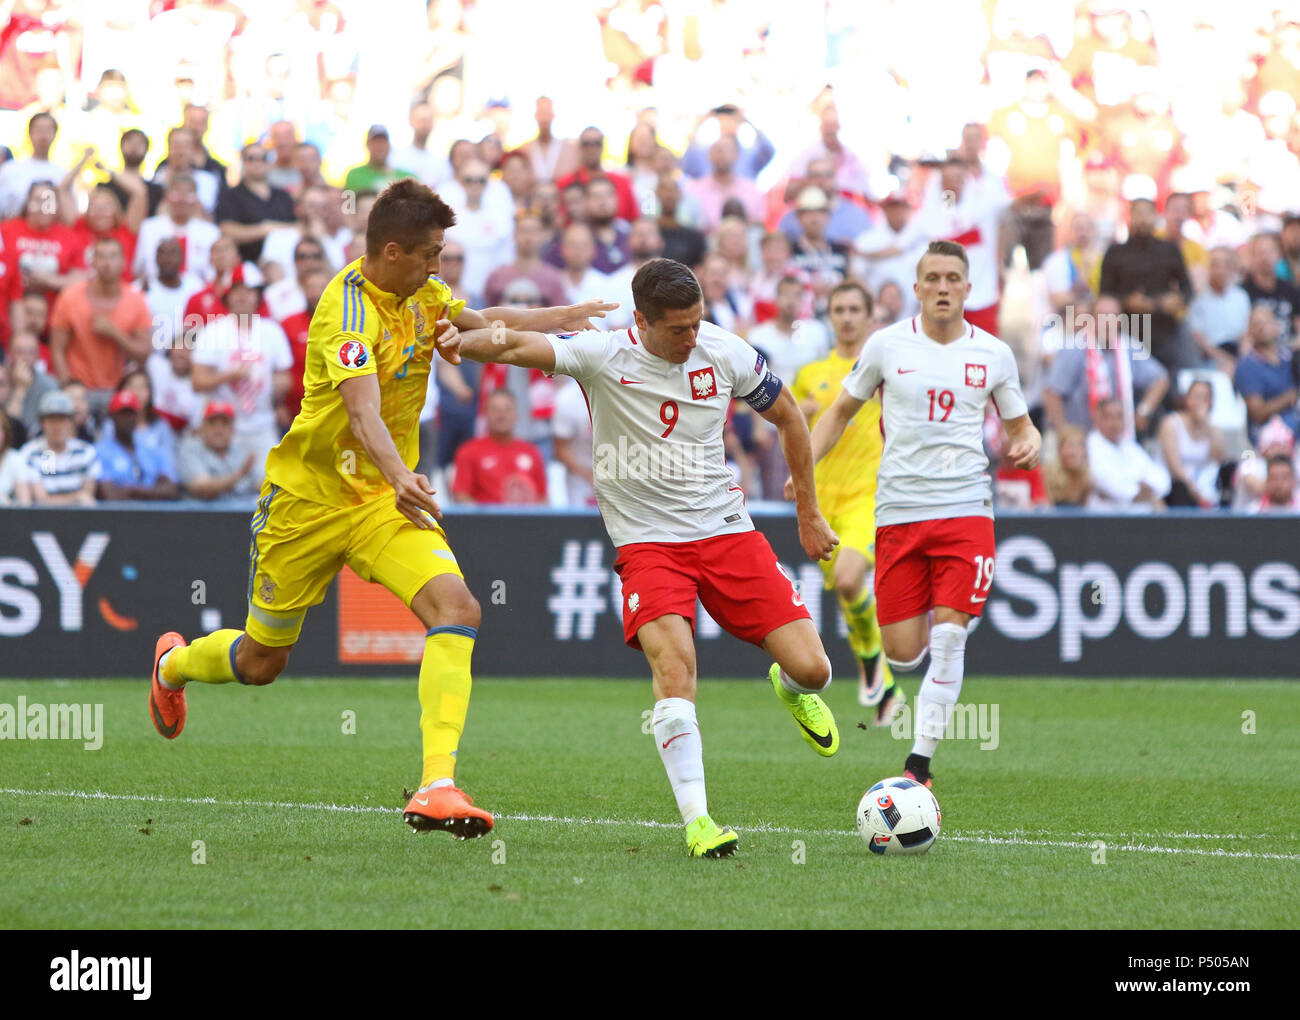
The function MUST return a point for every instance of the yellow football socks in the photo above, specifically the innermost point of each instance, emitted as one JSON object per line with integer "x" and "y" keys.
{"x": 864, "y": 631}
{"x": 210, "y": 660}
{"x": 444, "y": 697}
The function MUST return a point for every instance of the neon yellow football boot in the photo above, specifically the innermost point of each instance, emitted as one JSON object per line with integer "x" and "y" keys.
{"x": 815, "y": 720}
{"x": 705, "y": 839}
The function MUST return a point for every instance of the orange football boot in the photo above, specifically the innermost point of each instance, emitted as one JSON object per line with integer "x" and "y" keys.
{"x": 166, "y": 707}
{"x": 447, "y": 808}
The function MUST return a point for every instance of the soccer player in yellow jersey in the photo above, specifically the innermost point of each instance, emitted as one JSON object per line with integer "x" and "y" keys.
{"x": 846, "y": 492}
{"x": 341, "y": 489}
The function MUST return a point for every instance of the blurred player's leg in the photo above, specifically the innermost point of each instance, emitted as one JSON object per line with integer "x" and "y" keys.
{"x": 668, "y": 646}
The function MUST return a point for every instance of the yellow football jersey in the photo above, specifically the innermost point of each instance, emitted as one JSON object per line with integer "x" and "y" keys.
{"x": 358, "y": 329}
{"x": 846, "y": 477}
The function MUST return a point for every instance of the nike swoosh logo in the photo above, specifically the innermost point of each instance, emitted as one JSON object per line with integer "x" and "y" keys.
{"x": 821, "y": 741}
{"x": 629, "y": 382}
{"x": 671, "y": 739}
{"x": 906, "y": 371}
{"x": 422, "y": 801}
{"x": 163, "y": 728}
{"x": 945, "y": 682}
{"x": 976, "y": 598}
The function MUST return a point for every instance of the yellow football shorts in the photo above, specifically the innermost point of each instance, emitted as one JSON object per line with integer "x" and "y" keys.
{"x": 856, "y": 528}
{"x": 297, "y": 548}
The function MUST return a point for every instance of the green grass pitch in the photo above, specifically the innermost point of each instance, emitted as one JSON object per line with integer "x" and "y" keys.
{"x": 300, "y": 822}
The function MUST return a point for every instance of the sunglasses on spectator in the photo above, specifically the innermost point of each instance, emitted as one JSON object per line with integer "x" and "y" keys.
{"x": 255, "y": 157}
{"x": 475, "y": 180}
{"x": 308, "y": 255}
{"x": 593, "y": 141}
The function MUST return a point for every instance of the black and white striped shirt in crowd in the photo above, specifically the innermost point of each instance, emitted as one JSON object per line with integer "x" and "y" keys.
{"x": 59, "y": 473}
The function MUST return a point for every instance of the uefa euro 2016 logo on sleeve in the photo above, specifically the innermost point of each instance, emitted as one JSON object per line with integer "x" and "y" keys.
{"x": 353, "y": 354}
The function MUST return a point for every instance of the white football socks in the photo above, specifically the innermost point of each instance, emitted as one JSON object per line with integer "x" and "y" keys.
{"x": 791, "y": 690}
{"x": 942, "y": 685}
{"x": 677, "y": 736}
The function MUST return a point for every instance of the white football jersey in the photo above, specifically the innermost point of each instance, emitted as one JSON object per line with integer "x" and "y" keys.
{"x": 933, "y": 400}
{"x": 660, "y": 471}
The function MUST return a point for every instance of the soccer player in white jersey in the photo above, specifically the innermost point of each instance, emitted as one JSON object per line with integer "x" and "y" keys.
{"x": 936, "y": 374}
{"x": 658, "y": 394}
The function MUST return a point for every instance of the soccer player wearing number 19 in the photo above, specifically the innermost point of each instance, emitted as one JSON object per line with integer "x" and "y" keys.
{"x": 658, "y": 395}
{"x": 936, "y": 375}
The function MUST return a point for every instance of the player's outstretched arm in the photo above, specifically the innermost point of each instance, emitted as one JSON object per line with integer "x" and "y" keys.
{"x": 413, "y": 491}
{"x": 1026, "y": 442}
{"x": 815, "y": 535}
{"x": 508, "y": 347}
{"x": 558, "y": 319}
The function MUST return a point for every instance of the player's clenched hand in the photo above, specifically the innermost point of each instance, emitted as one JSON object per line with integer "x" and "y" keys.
{"x": 816, "y": 537}
{"x": 1024, "y": 454}
{"x": 579, "y": 316}
{"x": 447, "y": 340}
{"x": 415, "y": 500}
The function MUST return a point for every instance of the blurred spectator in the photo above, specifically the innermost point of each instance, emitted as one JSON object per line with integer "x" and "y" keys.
{"x": 1288, "y": 268}
{"x": 1016, "y": 488}
{"x": 99, "y": 325}
{"x": 788, "y": 341}
{"x": 186, "y": 156}
{"x": 252, "y": 209}
{"x": 850, "y": 173}
{"x": 154, "y": 429}
{"x": 39, "y": 252}
{"x": 723, "y": 306}
{"x": 104, "y": 217}
{"x": 891, "y": 249}
{"x": 307, "y": 161}
{"x": 169, "y": 291}
{"x": 517, "y": 175}
{"x": 129, "y": 467}
{"x": 376, "y": 173}
{"x": 11, "y": 464}
{"x": 417, "y": 157}
{"x": 58, "y": 469}
{"x": 571, "y": 427}
{"x": 244, "y": 359}
{"x": 644, "y": 242}
{"x": 484, "y": 229}
{"x": 825, "y": 262}
{"x": 776, "y": 262}
{"x": 18, "y": 175}
{"x": 893, "y": 303}
{"x": 1280, "y": 492}
{"x": 129, "y": 181}
{"x": 609, "y": 232}
{"x": 288, "y": 296}
{"x": 754, "y": 149}
{"x": 1123, "y": 474}
{"x": 1218, "y": 316}
{"x": 583, "y": 280}
{"x": 173, "y": 387}
{"x": 84, "y": 424}
{"x": 848, "y": 220}
{"x": 452, "y": 268}
{"x": 1191, "y": 449}
{"x": 551, "y": 157}
{"x": 713, "y": 191}
{"x": 28, "y": 383}
{"x": 1264, "y": 286}
{"x": 206, "y": 304}
{"x": 1180, "y": 223}
{"x": 282, "y": 171}
{"x": 1274, "y": 440}
{"x": 682, "y": 242}
{"x": 311, "y": 208}
{"x": 1069, "y": 482}
{"x": 498, "y": 468}
{"x": 178, "y": 217}
{"x": 195, "y": 119}
{"x": 643, "y": 163}
{"x": 1073, "y": 271}
{"x": 528, "y": 264}
{"x": 1266, "y": 374}
{"x": 19, "y": 431}
{"x": 1095, "y": 363}
{"x": 297, "y": 328}
{"x": 1150, "y": 279}
{"x": 971, "y": 216}
{"x": 591, "y": 148}
{"x": 211, "y": 464}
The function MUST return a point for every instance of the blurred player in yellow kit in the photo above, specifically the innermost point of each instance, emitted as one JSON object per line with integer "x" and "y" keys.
{"x": 340, "y": 489}
{"x": 846, "y": 492}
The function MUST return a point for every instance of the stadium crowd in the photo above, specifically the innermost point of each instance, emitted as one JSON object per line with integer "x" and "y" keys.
{"x": 179, "y": 181}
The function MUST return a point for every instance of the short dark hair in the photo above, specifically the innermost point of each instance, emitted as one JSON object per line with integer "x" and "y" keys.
{"x": 850, "y": 284}
{"x": 952, "y": 248}
{"x": 108, "y": 239}
{"x": 664, "y": 285}
{"x": 404, "y": 213}
{"x": 31, "y": 123}
{"x": 134, "y": 131}
{"x": 1280, "y": 458}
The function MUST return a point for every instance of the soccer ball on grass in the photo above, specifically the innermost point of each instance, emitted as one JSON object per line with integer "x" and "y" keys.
{"x": 898, "y": 816}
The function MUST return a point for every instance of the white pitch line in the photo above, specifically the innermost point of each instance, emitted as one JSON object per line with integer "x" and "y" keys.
{"x": 960, "y": 836}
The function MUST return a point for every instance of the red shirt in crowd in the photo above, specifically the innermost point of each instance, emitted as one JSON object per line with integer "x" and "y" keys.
{"x": 296, "y": 328}
{"x": 52, "y": 250}
{"x": 490, "y": 471}
{"x": 627, "y": 205}
{"x": 84, "y": 241}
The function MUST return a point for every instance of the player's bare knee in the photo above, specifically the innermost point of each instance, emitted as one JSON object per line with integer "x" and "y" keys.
{"x": 814, "y": 675}
{"x": 465, "y": 611}
{"x": 904, "y": 657}
{"x": 263, "y": 669}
